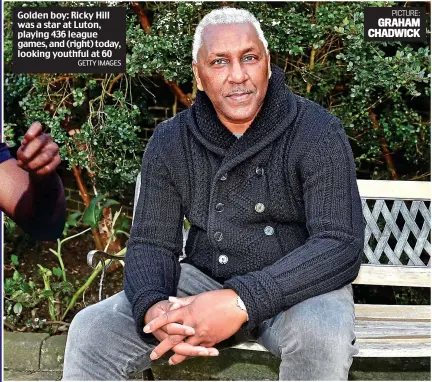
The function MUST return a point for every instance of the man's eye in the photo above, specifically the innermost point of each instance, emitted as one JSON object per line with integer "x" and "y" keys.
{"x": 219, "y": 61}
{"x": 249, "y": 58}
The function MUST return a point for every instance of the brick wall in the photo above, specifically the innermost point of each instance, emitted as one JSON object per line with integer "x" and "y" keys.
{"x": 74, "y": 203}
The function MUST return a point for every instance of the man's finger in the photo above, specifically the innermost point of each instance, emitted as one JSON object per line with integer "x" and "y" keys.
{"x": 174, "y": 306}
{"x": 49, "y": 168}
{"x": 179, "y": 329}
{"x": 176, "y": 344}
{"x": 167, "y": 344}
{"x": 178, "y": 357}
{"x": 164, "y": 319}
{"x": 183, "y": 301}
{"x": 28, "y": 152}
{"x": 33, "y": 131}
{"x": 182, "y": 350}
{"x": 45, "y": 157}
{"x": 160, "y": 334}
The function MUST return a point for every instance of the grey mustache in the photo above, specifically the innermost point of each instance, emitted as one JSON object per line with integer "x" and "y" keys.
{"x": 240, "y": 91}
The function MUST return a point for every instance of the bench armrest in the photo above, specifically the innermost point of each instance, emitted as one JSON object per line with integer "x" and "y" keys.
{"x": 95, "y": 257}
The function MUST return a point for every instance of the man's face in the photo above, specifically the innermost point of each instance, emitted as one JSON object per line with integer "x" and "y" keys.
{"x": 233, "y": 69}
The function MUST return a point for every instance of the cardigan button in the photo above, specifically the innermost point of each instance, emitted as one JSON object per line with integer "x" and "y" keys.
{"x": 218, "y": 236}
{"x": 259, "y": 207}
{"x": 219, "y": 207}
{"x": 223, "y": 259}
{"x": 259, "y": 171}
{"x": 224, "y": 177}
{"x": 269, "y": 230}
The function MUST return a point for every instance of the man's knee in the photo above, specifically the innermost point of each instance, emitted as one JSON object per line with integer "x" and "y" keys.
{"x": 324, "y": 327}
{"x": 316, "y": 339}
{"x": 89, "y": 327}
{"x": 322, "y": 338}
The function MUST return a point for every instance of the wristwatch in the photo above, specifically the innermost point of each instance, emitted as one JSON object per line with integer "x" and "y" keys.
{"x": 242, "y": 306}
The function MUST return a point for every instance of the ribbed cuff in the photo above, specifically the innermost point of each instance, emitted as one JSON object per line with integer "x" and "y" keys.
{"x": 142, "y": 302}
{"x": 261, "y": 295}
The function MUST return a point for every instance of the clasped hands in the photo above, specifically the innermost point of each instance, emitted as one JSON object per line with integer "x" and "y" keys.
{"x": 191, "y": 326}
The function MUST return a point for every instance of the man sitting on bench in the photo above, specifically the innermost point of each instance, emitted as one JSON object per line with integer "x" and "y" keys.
{"x": 267, "y": 180}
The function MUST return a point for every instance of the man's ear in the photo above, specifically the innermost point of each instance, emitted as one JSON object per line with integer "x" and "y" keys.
{"x": 269, "y": 64}
{"x": 196, "y": 74}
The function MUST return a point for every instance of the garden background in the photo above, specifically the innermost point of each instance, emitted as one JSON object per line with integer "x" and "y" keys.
{"x": 380, "y": 91}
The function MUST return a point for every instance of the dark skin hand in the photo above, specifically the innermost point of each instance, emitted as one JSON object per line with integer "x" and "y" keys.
{"x": 38, "y": 154}
{"x": 176, "y": 333}
{"x": 213, "y": 315}
{"x": 31, "y": 193}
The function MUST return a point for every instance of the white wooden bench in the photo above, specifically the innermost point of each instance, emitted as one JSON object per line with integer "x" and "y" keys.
{"x": 397, "y": 251}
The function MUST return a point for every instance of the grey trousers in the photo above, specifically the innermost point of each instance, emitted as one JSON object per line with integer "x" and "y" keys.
{"x": 314, "y": 339}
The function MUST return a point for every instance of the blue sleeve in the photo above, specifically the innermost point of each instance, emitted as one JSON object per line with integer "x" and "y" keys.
{"x": 4, "y": 153}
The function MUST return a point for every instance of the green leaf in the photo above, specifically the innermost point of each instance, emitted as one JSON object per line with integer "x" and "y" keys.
{"x": 45, "y": 272}
{"x": 17, "y": 308}
{"x": 72, "y": 219}
{"x": 16, "y": 276}
{"x": 93, "y": 212}
{"x": 47, "y": 293}
{"x": 26, "y": 287}
{"x": 109, "y": 203}
{"x": 14, "y": 260}
{"x": 57, "y": 272}
{"x": 16, "y": 295}
{"x": 43, "y": 269}
{"x": 20, "y": 296}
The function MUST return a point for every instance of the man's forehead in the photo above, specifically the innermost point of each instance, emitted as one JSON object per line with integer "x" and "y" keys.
{"x": 221, "y": 36}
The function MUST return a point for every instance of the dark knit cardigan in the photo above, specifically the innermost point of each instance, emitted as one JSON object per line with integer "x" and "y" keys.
{"x": 304, "y": 240}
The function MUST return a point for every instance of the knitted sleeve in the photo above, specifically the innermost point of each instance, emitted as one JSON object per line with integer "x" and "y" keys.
{"x": 331, "y": 256}
{"x": 4, "y": 153}
{"x": 152, "y": 269}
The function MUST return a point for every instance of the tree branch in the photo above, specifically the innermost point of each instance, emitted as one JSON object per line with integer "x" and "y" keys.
{"x": 384, "y": 146}
{"x": 113, "y": 81}
{"x": 313, "y": 52}
{"x": 174, "y": 87}
{"x": 143, "y": 19}
{"x": 86, "y": 198}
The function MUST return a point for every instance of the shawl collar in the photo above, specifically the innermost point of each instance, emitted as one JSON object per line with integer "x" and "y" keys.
{"x": 277, "y": 113}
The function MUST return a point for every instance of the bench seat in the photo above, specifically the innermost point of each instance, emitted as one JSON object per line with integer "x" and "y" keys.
{"x": 386, "y": 331}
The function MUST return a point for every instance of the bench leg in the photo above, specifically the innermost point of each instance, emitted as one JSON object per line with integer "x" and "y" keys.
{"x": 148, "y": 375}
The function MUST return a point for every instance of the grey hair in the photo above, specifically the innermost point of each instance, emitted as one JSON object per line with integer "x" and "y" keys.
{"x": 226, "y": 16}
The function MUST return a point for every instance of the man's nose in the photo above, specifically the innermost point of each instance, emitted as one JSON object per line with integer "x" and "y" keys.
{"x": 238, "y": 73}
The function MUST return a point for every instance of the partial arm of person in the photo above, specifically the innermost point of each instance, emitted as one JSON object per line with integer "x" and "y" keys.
{"x": 152, "y": 269}
{"x": 31, "y": 193}
{"x": 331, "y": 257}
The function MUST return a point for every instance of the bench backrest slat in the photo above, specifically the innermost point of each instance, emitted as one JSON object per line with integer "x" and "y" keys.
{"x": 394, "y": 275}
{"x": 394, "y": 189}
{"x": 380, "y": 312}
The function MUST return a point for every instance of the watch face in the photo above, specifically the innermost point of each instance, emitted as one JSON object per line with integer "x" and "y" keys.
{"x": 242, "y": 306}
